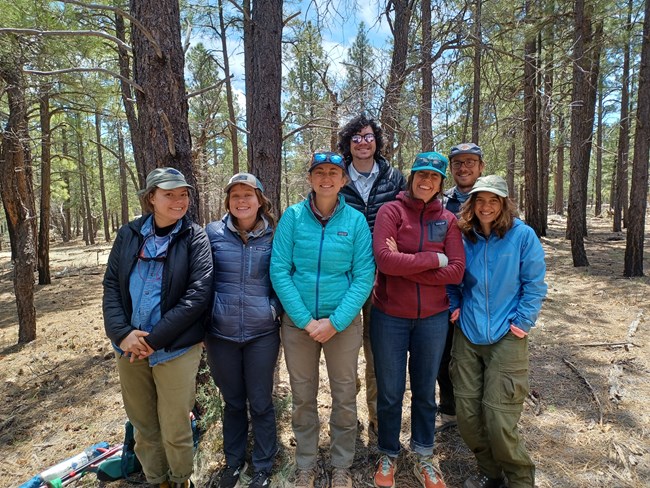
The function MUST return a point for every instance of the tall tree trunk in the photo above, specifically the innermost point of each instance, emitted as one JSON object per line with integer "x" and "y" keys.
{"x": 639, "y": 189}
{"x": 43, "y": 248}
{"x": 598, "y": 180}
{"x": 622, "y": 153}
{"x": 17, "y": 192}
{"x": 545, "y": 123}
{"x": 162, "y": 104}
{"x": 426, "y": 92}
{"x": 559, "y": 169}
{"x": 88, "y": 227}
{"x": 129, "y": 107}
{"x": 232, "y": 122}
{"x": 124, "y": 200}
{"x": 510, "y": 168}
{"x": 265, "y": 123}
{"x": 100, "y": 167}
{"x": 476, "y": 86}
{"x": 531, "y": 197}
{"x": 586, "y": 59}
{"x": 390, "y": 110}
{"x": 249, "y": 49}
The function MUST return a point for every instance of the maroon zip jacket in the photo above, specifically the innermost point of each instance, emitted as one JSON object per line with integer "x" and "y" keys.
{"x": 410, "y": 283}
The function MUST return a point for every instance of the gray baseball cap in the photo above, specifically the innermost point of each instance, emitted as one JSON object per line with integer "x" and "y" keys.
{"x": 244, "y": 179}
{"x": 166, "y": 179}
{"x": 491, "y": 183}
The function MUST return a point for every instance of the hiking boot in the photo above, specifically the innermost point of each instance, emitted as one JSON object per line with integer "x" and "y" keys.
{"x": 445, "y": 421}
{"x": 261, "y": 479}
{"x": 184, "y": 484}
{"x": 482, "y": 481}
{"x": 230, "y": 476}
{"x": 305, "y": 478}
{"x": 428, "y": 474}
{"x": 385, "y": 472}
{"x": 341, "y": 478}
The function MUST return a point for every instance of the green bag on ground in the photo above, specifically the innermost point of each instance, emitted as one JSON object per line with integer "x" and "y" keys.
{"x": 121, "y": 467}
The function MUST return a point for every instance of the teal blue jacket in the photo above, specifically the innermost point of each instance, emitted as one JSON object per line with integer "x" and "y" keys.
{"x": 322, "y": 271}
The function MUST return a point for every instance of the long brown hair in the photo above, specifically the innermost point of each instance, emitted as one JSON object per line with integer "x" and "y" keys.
{"x": 468, "y": 221}
{"x": 264, "y": 210}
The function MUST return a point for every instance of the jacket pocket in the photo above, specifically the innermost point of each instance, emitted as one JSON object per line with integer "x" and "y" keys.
{"x": 436, "y": 230}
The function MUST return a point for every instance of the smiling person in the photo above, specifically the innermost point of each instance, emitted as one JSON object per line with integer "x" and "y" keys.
{"x": 373, "y": 182}
{"x": 243, "y": 337}
{"x": 466, "y": 163}
{"x": 322, "y": 270}
{"x": 418, "y": 250}
{"x": 494, "y": 308}
{"x": 157, "y": 286}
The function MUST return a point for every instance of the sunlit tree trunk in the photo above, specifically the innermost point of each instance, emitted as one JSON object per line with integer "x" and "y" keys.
{"x": 100, "y": 168}
{"x": 16, "y": 190}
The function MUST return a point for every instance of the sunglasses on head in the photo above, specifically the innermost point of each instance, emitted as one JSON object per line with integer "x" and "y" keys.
{"x": 328, "y": 158}
{"x": 435, "y": 162}
{"x": 357, "y": 138}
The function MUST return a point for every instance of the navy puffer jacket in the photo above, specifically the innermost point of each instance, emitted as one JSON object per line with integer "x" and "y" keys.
{"x": 242, "y": 291}
{"x": 388, "y": 184}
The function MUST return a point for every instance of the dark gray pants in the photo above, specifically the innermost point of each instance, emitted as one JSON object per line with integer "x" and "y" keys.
{"x": 244, "y": 372}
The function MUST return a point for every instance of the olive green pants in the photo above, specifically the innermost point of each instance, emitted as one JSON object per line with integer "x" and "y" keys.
{"x": 490, "y": 386}
{"x": 158, "y": 401}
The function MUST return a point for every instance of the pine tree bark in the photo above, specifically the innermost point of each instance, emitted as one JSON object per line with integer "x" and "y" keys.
{"x": 43, "y": 248}
{"x": 639, "y": 188}
{"x": 586, "y": 64}
{"x": 476, "y": 85}
{"x": 158, "y": 67}
{"x": 100, "y": 167}
{"x": 17, "y": 193}
{"x": 531, "y": 196}
{"x": 426, "y": 92}
{"x": 266, "y": 78}
{"x": 390, "y": 110}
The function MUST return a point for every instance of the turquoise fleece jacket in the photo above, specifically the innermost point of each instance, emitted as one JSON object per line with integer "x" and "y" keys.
{"x": 322, "y": 271}
{"x": 503, "y": 284}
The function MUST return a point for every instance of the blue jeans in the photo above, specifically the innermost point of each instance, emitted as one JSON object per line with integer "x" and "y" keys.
{"x": 244, "y": 372}
{"x": 394, "y": 341}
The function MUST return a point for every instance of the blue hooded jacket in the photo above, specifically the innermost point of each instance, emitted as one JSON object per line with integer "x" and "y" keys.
{"x": 503, "y": 284}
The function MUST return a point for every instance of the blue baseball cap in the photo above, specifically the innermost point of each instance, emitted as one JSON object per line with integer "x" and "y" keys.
{"x": 432, "y": 161}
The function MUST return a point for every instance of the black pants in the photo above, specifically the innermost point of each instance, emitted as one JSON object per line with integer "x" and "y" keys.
{"x": 446, "y": 403}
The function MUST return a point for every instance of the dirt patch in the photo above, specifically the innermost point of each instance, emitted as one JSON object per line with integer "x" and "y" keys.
{"x": 586, "y": 423}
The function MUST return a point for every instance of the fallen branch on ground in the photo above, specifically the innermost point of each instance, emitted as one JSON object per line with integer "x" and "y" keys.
{"x": 591, "y": 389}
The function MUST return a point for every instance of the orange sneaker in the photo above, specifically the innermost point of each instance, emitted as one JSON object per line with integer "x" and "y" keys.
{"x": 385, "y": 472}
{"x": 428, "y": 474}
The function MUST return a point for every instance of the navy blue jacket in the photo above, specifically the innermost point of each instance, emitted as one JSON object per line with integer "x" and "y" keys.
{"x": 242, "y": 291}
{"x": 186, "y": 287}
{"x": 388, "y": 184}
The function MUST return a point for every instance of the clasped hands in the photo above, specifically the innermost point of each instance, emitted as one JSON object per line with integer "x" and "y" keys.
{"x": 321, "y": 330}
{"x": 134, "y": 345}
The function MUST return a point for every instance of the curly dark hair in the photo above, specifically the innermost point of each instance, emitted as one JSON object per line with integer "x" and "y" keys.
{"x": 353, "y": 127}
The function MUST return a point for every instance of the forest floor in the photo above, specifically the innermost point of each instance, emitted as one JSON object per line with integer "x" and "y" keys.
{"x": 586, "y": 422}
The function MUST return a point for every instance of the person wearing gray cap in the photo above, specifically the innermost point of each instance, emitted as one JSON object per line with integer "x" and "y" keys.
{"x": 243, "y": 336}
{"x": 154, "y": 318}
{"x": 494, "y": 309}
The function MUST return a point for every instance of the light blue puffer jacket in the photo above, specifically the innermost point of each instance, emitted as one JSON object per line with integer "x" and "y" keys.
{"x": 320, "y": 272}
{"x": 503, "y": 284}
